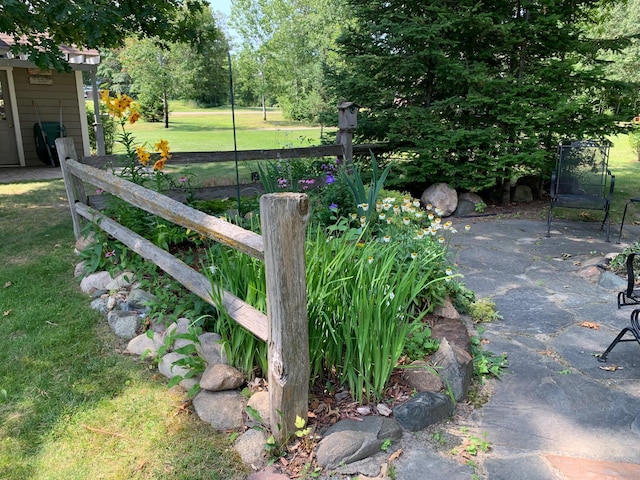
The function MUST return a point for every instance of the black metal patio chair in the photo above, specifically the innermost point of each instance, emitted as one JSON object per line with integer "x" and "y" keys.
{"x": 582, "y": 180}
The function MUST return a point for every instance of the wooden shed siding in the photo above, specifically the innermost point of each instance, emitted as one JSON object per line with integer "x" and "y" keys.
{"x": 49, "y": 100}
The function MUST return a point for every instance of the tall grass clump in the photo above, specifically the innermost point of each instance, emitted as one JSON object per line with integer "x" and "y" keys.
{"x": 372, "y": 275}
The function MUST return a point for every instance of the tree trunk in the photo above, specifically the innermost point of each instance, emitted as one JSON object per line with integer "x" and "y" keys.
{"x": 165, "y": 108}
{"x": 506, "y": 191}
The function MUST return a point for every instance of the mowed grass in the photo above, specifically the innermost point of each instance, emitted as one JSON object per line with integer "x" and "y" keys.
{"x": 204, "y": 130}
{"x": 194, "y": 129}
{"x": 72, "y": 406}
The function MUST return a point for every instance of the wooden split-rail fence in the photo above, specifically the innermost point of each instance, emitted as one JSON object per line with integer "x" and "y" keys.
{"x": 281, "y": 246}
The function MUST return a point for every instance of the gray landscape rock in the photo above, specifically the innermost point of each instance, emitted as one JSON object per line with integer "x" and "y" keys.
{"x": 168, "y": 369}
{"x": 268, "y": 473}
{"x": 122, "y": 280}
{"x": 349, "y": 441}
{"x": 78, "y": 271}
{"x": 250, "y": 447}
{"x": 181, "y": 327}
{"x": 522, "y": 194}
{"x": 455, "y": 367}
{"x": 447, "y": 310}
{"x": 223, "y": 410}
{"x": 259, "y": 401}
{"x": 140, "y": 299}
{"x": 611, "y": 281}
{"x": 211, "y": 349}
{"x": 142, "y": 345}
{"x": 442, "y": 197}
{"x": 219, "y": 377}
{"x": 95, "y": 281}
{"x": 370, "y": 467}
{"x": 100, "y": 304}
{"x": 425, "y": 409}
{"x": 467, "y": 202}
{"x": 422, "y": 377}
{"x": 124, "y": 324}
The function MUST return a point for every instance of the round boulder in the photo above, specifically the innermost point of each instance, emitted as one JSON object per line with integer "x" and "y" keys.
{"x": 442, "y": 197}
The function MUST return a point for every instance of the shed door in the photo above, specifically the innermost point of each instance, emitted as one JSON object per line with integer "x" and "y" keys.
{"x": 8, "y": 147}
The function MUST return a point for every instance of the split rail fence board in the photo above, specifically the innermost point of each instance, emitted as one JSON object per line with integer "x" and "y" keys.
{"x": 284, "y": 219}
{"x": 249, "y": 317}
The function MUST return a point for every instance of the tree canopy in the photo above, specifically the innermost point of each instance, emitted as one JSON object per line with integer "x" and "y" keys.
{"x": 39, "y": 27}
{"x": 473, "y": 93}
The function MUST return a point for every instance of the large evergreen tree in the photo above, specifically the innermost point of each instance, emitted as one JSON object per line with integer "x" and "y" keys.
{"x": 472, "y": 93}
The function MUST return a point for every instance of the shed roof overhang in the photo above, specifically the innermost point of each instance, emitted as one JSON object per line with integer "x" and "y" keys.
{"x": 78, "y": 59}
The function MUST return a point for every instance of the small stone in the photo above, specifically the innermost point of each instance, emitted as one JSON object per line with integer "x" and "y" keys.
{"x": 259, "y": 401}
{"x": 349, "y": 441}
{"x": 383, "y": 410}
{"x": 590, "y": 273}
{"x": 78, "y": 271}
{"x": 219, "y": 376}
{"x": 442, "y": 197}
{"x": 122, "y": 280}
{"x": 167, "y": 368}
{"x": 447, "y": 310}
{"x": 211, "y": 348}
{"x": 364, "y": 411}
{"x": 455, "y": 367}
{"x": 99, "y": 304}
{"x": 223, "y": 410}
{"x": 268, "y": 473}
{"x": 425, "y": 409}
{"x": 250, "y": 447}
{"x": 140, "y": 299}
{"x": 142, "y": 345}
{"x": 422, "y": 377}
{"x": 95, "y": 281}
{"x": 124, "y": 324}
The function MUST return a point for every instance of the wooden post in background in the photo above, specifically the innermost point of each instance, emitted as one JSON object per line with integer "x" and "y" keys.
{"x": 347, "y": 123}
{"x": 284, "y": 218}
{"x": 73, "y": 185}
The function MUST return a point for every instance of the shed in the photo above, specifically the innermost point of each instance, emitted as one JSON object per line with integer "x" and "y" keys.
{"x": 31, "y": 96}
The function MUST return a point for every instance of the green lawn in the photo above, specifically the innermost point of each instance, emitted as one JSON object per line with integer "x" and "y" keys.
{"x": 202, "y": 130}
{"x": 71, "y": 406}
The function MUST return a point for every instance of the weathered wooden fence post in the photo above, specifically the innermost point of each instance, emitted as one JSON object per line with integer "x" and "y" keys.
{"x": 284, "y": 217}
{"x": 74, "y": 186}
{"x": 347, "y": 123}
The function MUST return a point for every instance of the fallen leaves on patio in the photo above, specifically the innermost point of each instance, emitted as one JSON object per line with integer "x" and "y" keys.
{"x": 591, "y": 325}
{"x": 611, "y": 368}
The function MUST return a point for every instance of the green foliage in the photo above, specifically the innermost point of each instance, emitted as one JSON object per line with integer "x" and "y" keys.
{"x": 192, "y": 360}
{"x": 420, "y": 343}
{"x": 486, "y": 363}
{"x": 472, "y": 93}
{"x": 484, "y": 310}
{"x": 634, "y": 139}
{"x": 86, "y": 23}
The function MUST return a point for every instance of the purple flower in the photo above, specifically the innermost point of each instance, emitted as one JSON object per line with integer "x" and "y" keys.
{"x": 99, "y": 191}
{"x": 110, "y": 254}
{"x": 330, "y": 179}
{"x": 333, "y": 207}
{"x": 282, "y": 182}
{"x": 183, "y": 179}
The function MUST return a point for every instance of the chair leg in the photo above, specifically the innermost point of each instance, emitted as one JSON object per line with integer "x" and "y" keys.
{"x": 549, "y": 219}
{"x": 618, "y": 339}
{"x": 624, "y": 214}
{"x": 634, "y": 330}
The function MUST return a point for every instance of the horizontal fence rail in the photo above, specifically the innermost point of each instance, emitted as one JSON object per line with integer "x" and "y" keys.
{"x": 283, "y": 216}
